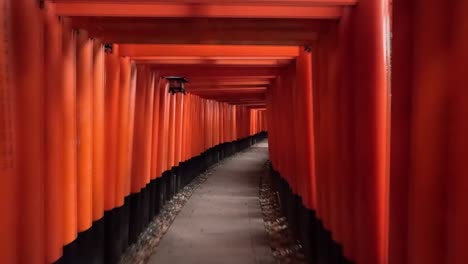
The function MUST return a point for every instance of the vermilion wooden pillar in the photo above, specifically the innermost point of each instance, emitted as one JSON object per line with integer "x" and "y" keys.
{"x": 229, "y": 124}
{"x": 148, "y": 127}
{"x": 216, "y": 120}
{"x": 458, "y": 183}
{"x": 54, "y": 137}
{"x": 123, "y": 165}
{"x": 163, "y": 141}
{"x": 131, "y": 127}
{"x": 402, "y": 74}
{"x": 222, "y": 123}
{"x": 234, "y": 122}
{"x": 193, "y": 128}
{"x": 155, "y": 130}
{"x": 272, "y": 137}
{"x": 160, "y": 125}
{"x": 289, "y": 131}
{"x": 178, "y": 131}
{"x": 219, "y": 118}
{"x": 98, "y": 129}
{"x": 206, "y": 128}
{"x": 228, "y": 120}
{"x": 212, "y": 123}
{"x": 196, "y": 123}
{"x": 187, "y": 128}
{"x": 371, "y": 133}
{"x": 8, "y": 181}
{"x": 139, "y": 130}
{"x": 202, "y": 124}
{"x": 304, "y": 101}
{"x": 210, "y": 127}
{"x": 112, "y": 90}
{"x": 184, "y": 126}
{"x": 28, "y": 95}
{"x": 84, "y": 95}
{"x": 69, "y": 134}
{"x": 171, "y": 131}
{"x": 429, "y": 147}
{"x": 277, "y": 104}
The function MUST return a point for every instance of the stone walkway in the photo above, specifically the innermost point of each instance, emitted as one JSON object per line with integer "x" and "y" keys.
{"x": 222, "y": 221}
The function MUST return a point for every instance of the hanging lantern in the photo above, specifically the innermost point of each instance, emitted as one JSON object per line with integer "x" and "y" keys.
{"x": 176, "y": 84}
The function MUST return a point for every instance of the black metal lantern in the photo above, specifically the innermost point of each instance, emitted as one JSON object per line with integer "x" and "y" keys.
{"x": 176, "y": 84}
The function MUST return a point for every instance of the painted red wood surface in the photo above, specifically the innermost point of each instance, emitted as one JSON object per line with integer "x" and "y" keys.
{"x": 148, "y": 127}
{"x": 123, "y": 171}
{"x": 337, "y": 158}
{"x": 8, "y": 183}
{"x": 86, "y": 128}
{"x": 28, "y": 96}
{"x": 111, "y": 125}
{"x": 428, "y": 169}
{"x": 54, "y": 138}
{"x": 69, "y": 134}
{"x": 84, "y": 107}
{"x": 155, "y": 130}
{"x": 98, "y": 129}
{"x": 90, "y": 127}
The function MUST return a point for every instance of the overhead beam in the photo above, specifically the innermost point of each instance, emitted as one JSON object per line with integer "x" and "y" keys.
{"x": 251, "y": 101}
{"x": 229, "y": 83}
{"x": 229, "y": 90}
{"x": 224, "y": 88}
{"x": 204, "y": 30}
{"x": 241, "y": 37}
{"x": 237, "y": 102}
{"x": 257, "y": 106}
{"x": 197, "y": 76}
{"x": 149, "y": 51}
{"x": 221, "y": 79}
{"x": 239, "y": 97}
{"x": 208, "y": 71}
{"x": 215, "y": 60}
{"x": 206, "y": 24}
{"x": 177, "y": 58}
{"x": 230, "y": 93}
{"x": 244, "y": 100}
{"x": 255, "y": 2}
{"x": 159, "y": 9}
{"x": 258, "y": 62}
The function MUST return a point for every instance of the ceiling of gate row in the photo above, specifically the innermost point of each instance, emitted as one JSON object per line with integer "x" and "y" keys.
{"x": 229, "y": 50}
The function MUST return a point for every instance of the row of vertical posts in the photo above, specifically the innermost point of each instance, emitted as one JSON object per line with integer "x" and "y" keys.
{"x": 257, "y": 120}
{"x": 91, "y": 143}
{"x": 329, "y": 140}
{"x": 429, "y": 149}
{"x": 291, "y": 146}
{"x": 378, "y": 172}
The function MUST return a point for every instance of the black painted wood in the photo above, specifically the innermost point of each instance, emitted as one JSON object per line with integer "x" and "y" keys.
{"x": 120, "y": 227}
{"x": 318, "y": 243}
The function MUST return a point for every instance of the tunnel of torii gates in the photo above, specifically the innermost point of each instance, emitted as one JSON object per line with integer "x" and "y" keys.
{"x": 369, "y": 147}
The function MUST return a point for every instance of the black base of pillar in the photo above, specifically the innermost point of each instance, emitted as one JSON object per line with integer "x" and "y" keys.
{"x": 120, "y": 227}
{"x": 317, "y": 242}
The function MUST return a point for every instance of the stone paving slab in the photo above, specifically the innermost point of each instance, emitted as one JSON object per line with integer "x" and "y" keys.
{"x": 222, "y": 221}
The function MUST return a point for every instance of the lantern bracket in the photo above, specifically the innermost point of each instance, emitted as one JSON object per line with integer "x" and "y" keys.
{"x": 108, "y": 48}
{"x": 176, "y": 84}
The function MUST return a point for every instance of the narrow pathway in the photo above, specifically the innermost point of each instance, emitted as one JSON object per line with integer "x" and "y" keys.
{"x": 222, "y": 222}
